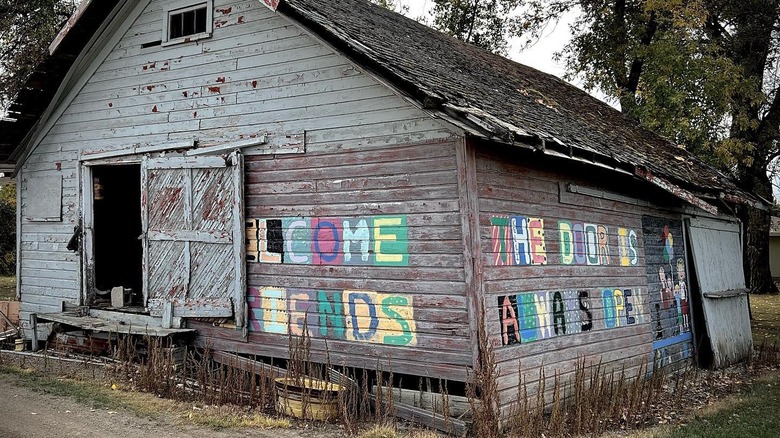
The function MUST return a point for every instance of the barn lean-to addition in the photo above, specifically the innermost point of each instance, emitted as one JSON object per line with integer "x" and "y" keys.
{"x": 248, "y": 170}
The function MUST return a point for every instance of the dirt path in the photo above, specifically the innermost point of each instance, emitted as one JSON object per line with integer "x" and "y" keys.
{"x": 25, "y": 413}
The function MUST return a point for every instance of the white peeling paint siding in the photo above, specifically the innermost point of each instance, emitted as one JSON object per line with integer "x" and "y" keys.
{"x": 258, "y": 73}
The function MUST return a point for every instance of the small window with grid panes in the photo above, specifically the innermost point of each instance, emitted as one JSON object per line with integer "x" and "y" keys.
{"x": 187, "y": 21}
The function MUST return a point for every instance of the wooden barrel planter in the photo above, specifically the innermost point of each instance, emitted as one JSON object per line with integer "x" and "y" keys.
{"x": 308, "y": 398}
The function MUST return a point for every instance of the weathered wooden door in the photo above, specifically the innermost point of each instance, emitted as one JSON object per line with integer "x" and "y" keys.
{"x": 192, "y": 211}
{"x": 717, "y": 257}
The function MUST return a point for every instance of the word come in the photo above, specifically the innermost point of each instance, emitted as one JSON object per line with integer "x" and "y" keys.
{"x": 351, "y": 315}
{"x": 376, "y": 241}
{"x": 533, "y": 316}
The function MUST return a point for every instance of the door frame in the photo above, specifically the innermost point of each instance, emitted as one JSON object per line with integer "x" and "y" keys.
{"x": 87, "y": 218}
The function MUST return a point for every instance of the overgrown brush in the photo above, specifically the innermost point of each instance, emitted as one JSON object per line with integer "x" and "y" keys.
{"x": 767, "y": 355}
{"x": 595, "y": 398}
{"x": 153, "y": 365}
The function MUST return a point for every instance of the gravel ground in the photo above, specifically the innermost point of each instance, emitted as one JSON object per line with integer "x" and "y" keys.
{"x": 28, "y": 413}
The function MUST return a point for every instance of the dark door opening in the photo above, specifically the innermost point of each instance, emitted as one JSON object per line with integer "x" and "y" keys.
{"x": 117, "y": 227}
{"x": 701, "y": 342}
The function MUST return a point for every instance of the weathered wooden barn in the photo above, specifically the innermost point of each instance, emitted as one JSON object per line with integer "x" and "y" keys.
{"x": 252, "y": 169}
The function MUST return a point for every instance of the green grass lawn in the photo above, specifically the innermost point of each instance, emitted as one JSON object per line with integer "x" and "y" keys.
{"x": 755, "y": 412}
{"x": 752, "y": 414}
{"x": 7, "y": 288}
{"x": 766, "y": 318}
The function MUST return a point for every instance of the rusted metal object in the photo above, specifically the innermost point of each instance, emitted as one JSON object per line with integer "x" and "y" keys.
{"x": 734, "y": 199}
{"x": 678, "y": 191}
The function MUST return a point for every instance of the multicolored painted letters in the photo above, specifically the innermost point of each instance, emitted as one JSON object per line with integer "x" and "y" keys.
{"x": 520, "y": 240}
{"x": 352, "y": 315}
{"x": 532, "y": 316}
{"x": 374, "y": 241}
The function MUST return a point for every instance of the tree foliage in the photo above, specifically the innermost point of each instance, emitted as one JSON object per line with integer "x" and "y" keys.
{"x": 393, "y": 5}
{"x": 26, "y": 29}
{"x": 485, "y": 23}
{"x": 701, "y": 72}
{"x": 7, "y": 229}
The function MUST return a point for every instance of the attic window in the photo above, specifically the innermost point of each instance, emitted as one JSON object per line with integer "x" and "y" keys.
{"x": 187, "y": 21}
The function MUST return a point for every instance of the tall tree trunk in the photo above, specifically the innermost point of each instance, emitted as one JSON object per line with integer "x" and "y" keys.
{"x": 756, "y": 223}
{"x": 750, "y": 48}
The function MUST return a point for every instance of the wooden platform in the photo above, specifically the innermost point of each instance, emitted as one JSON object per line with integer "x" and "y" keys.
{"x": 119, "y": 323}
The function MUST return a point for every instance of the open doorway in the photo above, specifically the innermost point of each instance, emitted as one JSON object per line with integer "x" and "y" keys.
{"x": 116, "y": 221}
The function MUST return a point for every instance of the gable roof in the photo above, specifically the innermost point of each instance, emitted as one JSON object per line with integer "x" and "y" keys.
{"x": 504, "y": 99}
{"x": 42, "y": 85}
{"x": 491, "y": 96}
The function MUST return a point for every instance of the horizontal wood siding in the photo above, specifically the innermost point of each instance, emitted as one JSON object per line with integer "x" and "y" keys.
{"x": 49, "y": 273}
{"x": 565, "y": 275}
{"x": 322, "y": 261}
{"x": 260, "y": 74}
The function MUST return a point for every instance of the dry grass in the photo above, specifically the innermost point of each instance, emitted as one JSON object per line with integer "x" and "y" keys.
{"x": 221, "y": 417}
{"x": 766, "y": 318}
{"x": 7, "y": 288}
{"x": 117, "y": 396}
{"x": 595, "y": 400}
{"x": 380, "y": 432}
{"x": 390, "y": 432}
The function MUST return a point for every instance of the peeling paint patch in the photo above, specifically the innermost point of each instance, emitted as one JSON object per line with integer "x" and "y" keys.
{"x": 214, "y": 89}
{"x": 221, "y": 79}
{"x": 154, "y": 110}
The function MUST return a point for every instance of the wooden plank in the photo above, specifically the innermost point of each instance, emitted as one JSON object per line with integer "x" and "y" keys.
{"x": 46, "y": 205}
{"x": 145, "y": 261}
{"x": 191, "y": 236}
{"x": 193, "y": 307}
{"x": 450, "y": 350}
{"x": 457, "y": 406}
{"x": 248, "y": 365}
{"x": 239, "y": 246}
{"x": 473, "y": 267}
{"x": 416, "y": 415}
{"x": 102, "y": 325}
{"x": 186, "y": 163}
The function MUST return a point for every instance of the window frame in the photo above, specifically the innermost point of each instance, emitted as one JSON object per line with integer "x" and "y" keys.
{"x": 179, "y": 7}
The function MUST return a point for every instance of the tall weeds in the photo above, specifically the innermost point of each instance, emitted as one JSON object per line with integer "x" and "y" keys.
{"x": 482, "y": 389}
{"x": 593, "y": 399}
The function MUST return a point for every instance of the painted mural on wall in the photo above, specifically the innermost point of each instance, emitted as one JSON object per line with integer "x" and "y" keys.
{"x": 521, "y": 240}
{"x": 372, "y": 241}
{"x": 533, "y": 316}
{"x": 667, "y": 284}
{"x": 352, "y": 315}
